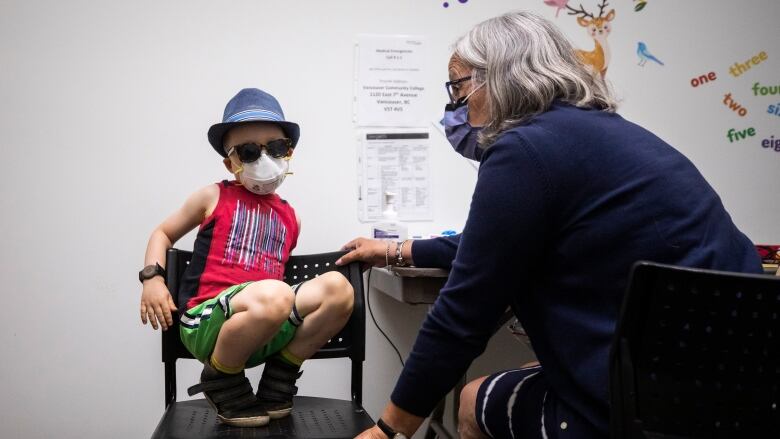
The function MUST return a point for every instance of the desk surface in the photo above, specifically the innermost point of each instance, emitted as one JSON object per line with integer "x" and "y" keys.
{"x": 418, "y": 272}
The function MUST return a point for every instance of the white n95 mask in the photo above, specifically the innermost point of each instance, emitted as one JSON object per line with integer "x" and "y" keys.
{"x": 263, "y": 175}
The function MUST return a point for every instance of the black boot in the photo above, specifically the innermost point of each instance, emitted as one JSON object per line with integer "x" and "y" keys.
{"x": 277, "y": 387}
{"x": 232, "y": 398}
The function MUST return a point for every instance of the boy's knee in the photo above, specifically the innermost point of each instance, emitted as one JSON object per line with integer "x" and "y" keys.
{"x": 337, "y": 291}
{"x": 271, "y": 299}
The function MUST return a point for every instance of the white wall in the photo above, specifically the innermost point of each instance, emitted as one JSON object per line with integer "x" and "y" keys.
{"x": 104, "y": 108}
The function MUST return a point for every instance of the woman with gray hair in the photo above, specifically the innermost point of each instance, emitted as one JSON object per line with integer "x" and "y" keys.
{"x": 569, "y": 195}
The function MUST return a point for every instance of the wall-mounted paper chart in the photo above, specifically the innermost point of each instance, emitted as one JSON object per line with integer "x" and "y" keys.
{"x": 397, "y": 163}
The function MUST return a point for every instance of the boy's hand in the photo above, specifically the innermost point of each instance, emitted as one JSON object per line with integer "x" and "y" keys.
{"x": 157, "y": 304}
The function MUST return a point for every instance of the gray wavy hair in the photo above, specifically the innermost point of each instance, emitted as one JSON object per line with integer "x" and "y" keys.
{"x": 526, "y": 63}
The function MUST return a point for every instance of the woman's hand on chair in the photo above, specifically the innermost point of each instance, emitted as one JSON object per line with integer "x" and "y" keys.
{"x": 373, "y": 252}
{"x": 157, "y": 304}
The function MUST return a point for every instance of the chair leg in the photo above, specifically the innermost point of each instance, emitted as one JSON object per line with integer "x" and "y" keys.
{"x": 436, "y": 420}
{"x": 357, "y": 382}
{"x": 436, "y": 424}
{"x": 170, "y": 382}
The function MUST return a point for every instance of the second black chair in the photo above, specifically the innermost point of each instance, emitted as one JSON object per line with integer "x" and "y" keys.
{"x": 696, "y": 355}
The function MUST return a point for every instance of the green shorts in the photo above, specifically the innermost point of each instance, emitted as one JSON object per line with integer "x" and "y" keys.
{"x": 200, "y": 325}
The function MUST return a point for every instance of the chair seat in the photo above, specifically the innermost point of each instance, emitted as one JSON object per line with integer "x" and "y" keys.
{"x": 311, "y": 417}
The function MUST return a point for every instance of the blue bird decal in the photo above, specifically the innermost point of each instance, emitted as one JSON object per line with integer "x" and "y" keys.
{"x": 644, "y": 54}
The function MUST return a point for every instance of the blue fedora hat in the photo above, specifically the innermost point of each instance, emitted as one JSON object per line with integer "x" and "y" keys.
{"x": 251, "y": 105}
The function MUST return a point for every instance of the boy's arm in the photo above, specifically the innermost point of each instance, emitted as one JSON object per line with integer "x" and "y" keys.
{"x": 156, "y": 300}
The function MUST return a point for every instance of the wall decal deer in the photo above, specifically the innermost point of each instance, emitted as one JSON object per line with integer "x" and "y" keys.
{"x": 598, "y": 28}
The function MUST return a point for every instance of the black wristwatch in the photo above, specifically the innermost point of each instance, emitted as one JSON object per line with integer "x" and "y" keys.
{"x": 151, "y": 271}
{"x": 391, "y": 434}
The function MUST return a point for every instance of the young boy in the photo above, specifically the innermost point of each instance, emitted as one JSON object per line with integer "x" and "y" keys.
{"x": 238, "y": 312}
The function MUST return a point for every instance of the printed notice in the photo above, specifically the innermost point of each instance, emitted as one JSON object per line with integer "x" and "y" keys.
{"x": 389, "y": 81}
{"x": 397, "y": 163}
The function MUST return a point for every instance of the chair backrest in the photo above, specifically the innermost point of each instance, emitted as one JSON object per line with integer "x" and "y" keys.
{"x": 696, "y": 354}
{"x": 349, "y": 342}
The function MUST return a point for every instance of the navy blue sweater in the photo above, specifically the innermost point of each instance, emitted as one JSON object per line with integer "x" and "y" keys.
{"x": 563, "y": 206}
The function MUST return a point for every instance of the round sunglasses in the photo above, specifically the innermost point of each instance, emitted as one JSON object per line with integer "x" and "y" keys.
{"x": 249, "y": 152}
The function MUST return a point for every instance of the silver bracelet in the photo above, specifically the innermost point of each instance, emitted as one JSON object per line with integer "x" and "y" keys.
{"x": 399, "y": 253}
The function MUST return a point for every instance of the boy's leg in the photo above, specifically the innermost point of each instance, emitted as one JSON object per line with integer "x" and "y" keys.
{"x": 323, "y": 306}
{"x": 258, "y": 311}
{"x": 325, "y": 303}
{"x": 253, "y": 316}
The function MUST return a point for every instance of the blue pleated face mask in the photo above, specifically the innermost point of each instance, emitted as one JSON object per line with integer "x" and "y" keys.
{"x": 460, "y": 133}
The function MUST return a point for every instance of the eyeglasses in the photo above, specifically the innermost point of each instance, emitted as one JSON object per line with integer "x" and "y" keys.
{"x": 249, "y": 152}
{"x": 453, "y": 87}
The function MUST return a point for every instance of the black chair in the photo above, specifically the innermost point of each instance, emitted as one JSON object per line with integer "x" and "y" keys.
{"x": 311, "y": 417}
{"x": 696, "y": 354}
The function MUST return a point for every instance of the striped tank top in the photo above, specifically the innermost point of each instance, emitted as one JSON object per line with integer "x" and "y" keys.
{"x": 248, "y": 237}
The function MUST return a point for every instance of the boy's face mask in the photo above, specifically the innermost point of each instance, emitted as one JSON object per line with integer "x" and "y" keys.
{"x": 263, "y": 175}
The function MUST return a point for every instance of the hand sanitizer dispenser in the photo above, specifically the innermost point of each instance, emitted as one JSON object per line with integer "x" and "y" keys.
{"x": 389, "y": 227}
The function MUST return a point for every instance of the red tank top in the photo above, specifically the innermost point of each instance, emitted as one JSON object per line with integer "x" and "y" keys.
{"x": 248, "y": 237}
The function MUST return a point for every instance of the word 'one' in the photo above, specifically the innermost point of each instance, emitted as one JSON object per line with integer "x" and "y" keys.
{"x": 703, "y": 79}
{"x": 739, "y": 109}
{"x": 739, "y": 68}
{"x": 739, "y": 135}
{"x": 771, "y": 90}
